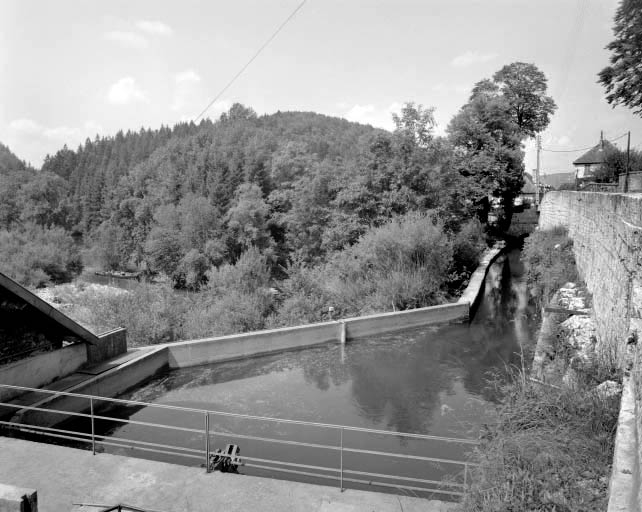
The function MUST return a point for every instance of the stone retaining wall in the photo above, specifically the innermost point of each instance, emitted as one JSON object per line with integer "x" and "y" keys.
{"x": 607, "y": 235}
{"x": 606, "y": 230}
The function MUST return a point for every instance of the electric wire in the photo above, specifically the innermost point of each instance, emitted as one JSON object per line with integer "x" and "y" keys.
{"x": 247, "y": 64}
{"x": 582, "y": 149}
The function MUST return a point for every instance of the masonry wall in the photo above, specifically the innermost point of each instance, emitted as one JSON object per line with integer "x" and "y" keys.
{"x": 607, "y": 235}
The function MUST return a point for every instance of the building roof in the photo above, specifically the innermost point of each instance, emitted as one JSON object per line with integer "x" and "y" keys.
{"x": 596, "y": 155}
{"x": 60, "y": 318}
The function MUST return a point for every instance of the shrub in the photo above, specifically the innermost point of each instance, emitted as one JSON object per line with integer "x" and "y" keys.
{"x": 150, "y": 313}
{"x": 36, "y": 256}
{"x": 400, "y": 265}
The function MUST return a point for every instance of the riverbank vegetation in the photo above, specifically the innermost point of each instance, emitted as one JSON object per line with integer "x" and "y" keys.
{"x": 551, "y": 446}
{"x": 551, "y": 449}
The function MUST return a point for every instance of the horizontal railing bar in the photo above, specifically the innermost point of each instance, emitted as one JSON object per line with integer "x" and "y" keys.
{"x": 409, "y": 487}
{"x": 356, "y": 480}
{"x": 33, "y": 408}
{"x": 48, "y": 429}
{"x": 108, "y": 443}
{"x": 406, "y": 456}
{"x": 147, "y": 443}
{"x": 123, "y": 505}
{"x": 244, "y": 416}
{"x": 294, "y": 464}
{"x": 267, "y": 439}
{"x": 279, "y": 441}
{"x": 293, "y": 471}
{"x": 363, "y": 473}
{"x": 147, "y": 424}
{"x": 61, "y": 436}
{"x": 399, "y": 477}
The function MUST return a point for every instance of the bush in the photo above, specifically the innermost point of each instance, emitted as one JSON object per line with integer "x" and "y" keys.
{"x": 400, "y": 265}
{"x": 150, "y": 313}
{"x": 36, "y": 256}
{"x": 550, "y": 262}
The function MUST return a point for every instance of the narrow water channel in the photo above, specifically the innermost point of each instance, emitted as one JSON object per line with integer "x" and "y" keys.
{"x": 427, "y": 381}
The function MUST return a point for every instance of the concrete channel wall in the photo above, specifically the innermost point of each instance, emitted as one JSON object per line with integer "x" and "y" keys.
{"x": 39, "y": 370}
{"x": 108, "y": 384}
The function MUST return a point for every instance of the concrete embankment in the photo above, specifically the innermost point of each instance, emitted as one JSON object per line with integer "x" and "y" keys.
{"x": 63, "y": 476}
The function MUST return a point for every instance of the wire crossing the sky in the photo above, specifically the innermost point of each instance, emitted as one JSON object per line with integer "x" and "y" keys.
{"x": 581, "y": 149}
{"x": 269, "y": 40}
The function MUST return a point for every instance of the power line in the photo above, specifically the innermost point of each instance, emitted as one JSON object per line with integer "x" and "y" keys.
{"x": 581, "y": 149}
{"x": 269, "y": 40}
{"x": 567, "y": 63}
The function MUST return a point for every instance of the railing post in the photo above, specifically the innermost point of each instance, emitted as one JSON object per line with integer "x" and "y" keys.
{"x": 465, "y": 475}
{"x": 341, "y": 455}
{"x": 207, "y": 442}
{"x": 93, "y": 433}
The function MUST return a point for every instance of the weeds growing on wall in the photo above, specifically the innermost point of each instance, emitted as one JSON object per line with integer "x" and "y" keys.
{"x": 550, "y": 263}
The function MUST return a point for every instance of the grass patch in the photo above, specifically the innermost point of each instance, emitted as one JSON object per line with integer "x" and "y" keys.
{"x": 551, "y": 450}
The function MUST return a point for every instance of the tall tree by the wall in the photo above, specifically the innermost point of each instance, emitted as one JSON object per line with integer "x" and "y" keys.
{"x": 623, "y": 77}
{"x": 488, "y": 132}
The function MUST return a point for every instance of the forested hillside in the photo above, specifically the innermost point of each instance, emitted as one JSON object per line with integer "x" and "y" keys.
{"x": 317, "y": 208}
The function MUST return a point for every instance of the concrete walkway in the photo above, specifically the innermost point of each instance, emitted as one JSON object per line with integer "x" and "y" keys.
{"x": 63, "y": 476}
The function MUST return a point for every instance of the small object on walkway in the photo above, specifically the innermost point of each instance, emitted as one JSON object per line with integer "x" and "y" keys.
{"x": 226, "y": 461}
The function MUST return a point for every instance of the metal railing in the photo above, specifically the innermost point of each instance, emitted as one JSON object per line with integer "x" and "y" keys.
{"x": 452, "y": 486}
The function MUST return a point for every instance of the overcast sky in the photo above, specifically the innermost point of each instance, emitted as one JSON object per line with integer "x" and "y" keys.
{"x": 72, "y": 69}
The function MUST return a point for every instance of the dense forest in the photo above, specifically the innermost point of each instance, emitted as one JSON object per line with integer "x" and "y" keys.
{"x": 292, "y": 204}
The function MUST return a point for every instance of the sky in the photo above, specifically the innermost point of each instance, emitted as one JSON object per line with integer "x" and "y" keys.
{"x": 70, "y": 69}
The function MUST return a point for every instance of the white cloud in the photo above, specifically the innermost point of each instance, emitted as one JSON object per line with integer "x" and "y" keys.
{"x": 128, "y": 39}
{"x": 381, "y": 117}
{"x": 187, "y": 76}
{"x": 155, "y": 27}
{"x": 125, "y": 91}
{"x": 472, "y": 57}
{"x": 25, "y": 126}
{"x": 564, "y": 140}
{"x": 32, "y": 140}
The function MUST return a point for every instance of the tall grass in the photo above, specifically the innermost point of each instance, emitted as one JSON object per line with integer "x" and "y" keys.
{"x": 550, "y": 450}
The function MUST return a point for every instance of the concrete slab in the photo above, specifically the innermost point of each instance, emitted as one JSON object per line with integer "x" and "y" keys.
{"x": 64, "y": 476}
{"x": 109, "y": 364}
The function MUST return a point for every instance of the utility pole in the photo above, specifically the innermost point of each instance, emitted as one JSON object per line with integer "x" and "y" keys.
{"x": 628, "y": 161}
{"x": 539, "y": 149}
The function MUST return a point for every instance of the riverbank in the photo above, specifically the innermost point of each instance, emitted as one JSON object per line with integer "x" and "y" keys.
{"x": 552, "y": 445}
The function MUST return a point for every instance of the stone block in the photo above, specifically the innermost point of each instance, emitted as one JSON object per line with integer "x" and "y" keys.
{"x": 18, "y": 499}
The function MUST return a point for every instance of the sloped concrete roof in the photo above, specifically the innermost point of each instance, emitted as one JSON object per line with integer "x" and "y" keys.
{"x": 47, "y": 309}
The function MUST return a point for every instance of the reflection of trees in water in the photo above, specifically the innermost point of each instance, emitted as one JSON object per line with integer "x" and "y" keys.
{"x": 399, "y": 382}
